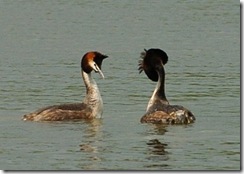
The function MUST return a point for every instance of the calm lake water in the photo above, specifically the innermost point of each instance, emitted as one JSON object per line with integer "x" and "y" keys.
{"x": 41, "y": 46}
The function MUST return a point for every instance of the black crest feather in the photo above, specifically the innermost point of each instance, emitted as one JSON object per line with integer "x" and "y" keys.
{"x": 149, "y": 59}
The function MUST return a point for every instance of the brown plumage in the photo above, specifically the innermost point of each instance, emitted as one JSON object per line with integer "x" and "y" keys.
{"x": 92, "y": 105}
{"x": 159, "y": 110}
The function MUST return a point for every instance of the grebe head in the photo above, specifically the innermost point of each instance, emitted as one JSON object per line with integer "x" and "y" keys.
{"x": 92, "y": 61}
{"x": 152, "y": 60}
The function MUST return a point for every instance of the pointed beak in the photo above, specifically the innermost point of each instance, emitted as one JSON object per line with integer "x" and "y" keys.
{"x": 98, "y": 70}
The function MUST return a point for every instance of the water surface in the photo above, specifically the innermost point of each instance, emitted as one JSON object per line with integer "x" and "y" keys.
{"x": 41, "y": 46}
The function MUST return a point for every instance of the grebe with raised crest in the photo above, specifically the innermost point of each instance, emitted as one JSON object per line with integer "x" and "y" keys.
{"x": 158, "y": 109}
{"x": 92, "y": 105}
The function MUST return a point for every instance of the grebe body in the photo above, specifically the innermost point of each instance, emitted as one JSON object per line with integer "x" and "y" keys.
{"x": 92, "y": 105}
{"x": 159, "y": 110}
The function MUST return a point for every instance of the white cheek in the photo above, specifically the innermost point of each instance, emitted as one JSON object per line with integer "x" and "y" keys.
{"x": 92, "y": 64}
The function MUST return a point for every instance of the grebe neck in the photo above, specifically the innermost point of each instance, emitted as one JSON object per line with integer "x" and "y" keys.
{"x": 93, "y": 97}
{"x": 159, "y": 91}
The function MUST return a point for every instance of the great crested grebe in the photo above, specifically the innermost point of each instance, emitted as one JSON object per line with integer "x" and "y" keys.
{"x": 158, "y": 109}
{"x": 92, "y": 106}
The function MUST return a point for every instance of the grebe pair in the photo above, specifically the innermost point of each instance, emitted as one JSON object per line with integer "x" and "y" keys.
{"x": 158, "y": 109}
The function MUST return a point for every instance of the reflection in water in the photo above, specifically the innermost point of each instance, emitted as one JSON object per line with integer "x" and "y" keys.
{"x": 156, "y": 147}
{"x": 159, "y": 129}
{"x": 90, "y": 144}
{"x": 155, "y": 129}
{"x": 87, "y": 148}
{"x": 93, "y": 128}
{"x": 157, "y": 154}
{"x": 156, "y": 151}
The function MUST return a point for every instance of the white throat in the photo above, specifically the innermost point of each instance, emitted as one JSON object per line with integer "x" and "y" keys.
{"x": 154, "y": 97}
{"x": 93, "y": 98}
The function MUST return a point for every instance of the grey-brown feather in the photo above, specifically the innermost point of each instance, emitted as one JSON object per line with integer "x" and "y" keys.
{"x": 61, "y": 112}
{"x": 168, "y": 114}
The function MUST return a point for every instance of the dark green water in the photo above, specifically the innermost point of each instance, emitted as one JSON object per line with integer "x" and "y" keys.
{"x": 41, "y": 46}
